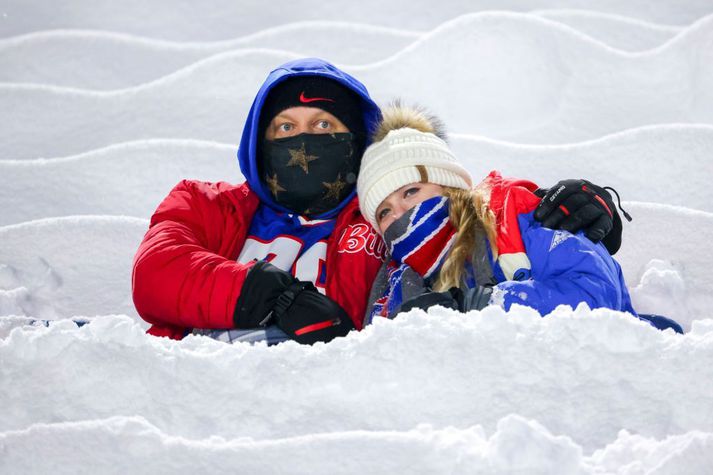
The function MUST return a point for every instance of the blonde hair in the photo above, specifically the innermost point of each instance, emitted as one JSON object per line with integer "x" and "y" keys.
{"x": 468, "y": 211}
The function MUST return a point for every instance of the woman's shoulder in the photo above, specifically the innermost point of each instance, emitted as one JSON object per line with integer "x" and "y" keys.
{"x": 509, "y": 197}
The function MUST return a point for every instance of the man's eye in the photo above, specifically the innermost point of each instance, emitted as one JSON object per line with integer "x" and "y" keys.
{"x": 285, "y": 127}
{"x": 411, "y": 191}
{"x": 382, "y": 214}
{"x": 323, "y": 124}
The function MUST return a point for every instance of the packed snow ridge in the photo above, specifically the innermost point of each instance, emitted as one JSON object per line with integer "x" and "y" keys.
{"x": 544, "y": 83}
{"x": 76, "y": 265}
{"x": 153, "y": 167}
{"x": 469, "y": 403}
{"x": 184, "y": 20}
{"x": 103, "y": 115}
{"x": 105, "y": 60}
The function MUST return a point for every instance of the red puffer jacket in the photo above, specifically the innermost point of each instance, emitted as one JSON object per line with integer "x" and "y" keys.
{"x": 186, "y": 275}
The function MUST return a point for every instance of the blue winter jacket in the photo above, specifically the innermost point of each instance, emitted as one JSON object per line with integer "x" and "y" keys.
{"x": 565, "y": 269}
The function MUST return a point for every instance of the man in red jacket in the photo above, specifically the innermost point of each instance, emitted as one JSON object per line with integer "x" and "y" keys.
{"x": 287, "y": 255}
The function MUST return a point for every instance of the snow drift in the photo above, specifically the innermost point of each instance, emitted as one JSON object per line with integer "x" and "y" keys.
{"x": 105, "y": 60}
{"x": 537, "y": 81}
{"x": 212, "y": 20}
{"x": 368, "y": 393}
{"x": 103, "y": 114}
{"x": 150, "y": 168}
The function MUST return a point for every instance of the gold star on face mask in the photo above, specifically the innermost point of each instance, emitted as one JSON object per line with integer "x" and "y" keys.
{"x": 273, "y": 185}
{"x": 300, "y": 158}
{"x": 333, "y": 189}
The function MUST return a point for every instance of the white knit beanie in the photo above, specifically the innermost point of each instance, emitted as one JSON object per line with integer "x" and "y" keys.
{"x": 405, "y": 155}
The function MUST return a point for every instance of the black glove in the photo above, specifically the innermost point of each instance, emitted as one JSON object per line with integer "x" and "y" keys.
{"x": 429, "y": 299}
{"x": 472, "y": 299}
{"x": 574, "y": 205}
{"x": 273, "y": 296}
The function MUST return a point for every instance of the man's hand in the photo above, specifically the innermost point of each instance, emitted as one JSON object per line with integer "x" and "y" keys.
{"x": 273, "y": 296}
{"x": 574, "y": 205}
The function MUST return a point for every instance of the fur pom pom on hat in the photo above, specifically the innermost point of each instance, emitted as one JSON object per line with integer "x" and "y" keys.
{"x": 409, "y": 147}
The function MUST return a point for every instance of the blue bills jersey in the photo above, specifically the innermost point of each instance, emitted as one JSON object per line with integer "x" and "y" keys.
{"x": 290, "y": 242}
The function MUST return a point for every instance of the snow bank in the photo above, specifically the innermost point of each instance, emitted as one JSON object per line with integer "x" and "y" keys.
{"x": 677, "y": 162}
{"x": 569, "y": 93}
{"x": 149, "y": 169}
{"x": 207, "y": 101}
{"x": 516, "y": 444}
{"x": 89, "y": 183}
{"x": 422, "y": 450}
{"x": 61, "y": 267}
{"x": 369, "y": 393}
{"x": 664, "y": 251}
{"x": 104, "y": 61}
{"x": 212, "y": 20}
{"x": 579, "y": 391}
{"x": 530, "y": 80}
{"x": 617, "y": 31}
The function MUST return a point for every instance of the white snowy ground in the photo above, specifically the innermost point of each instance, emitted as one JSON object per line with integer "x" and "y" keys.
{"x": 106, "y": 105}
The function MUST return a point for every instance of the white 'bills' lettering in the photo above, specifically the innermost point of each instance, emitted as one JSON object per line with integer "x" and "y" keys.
{"x": 362, "y": 237}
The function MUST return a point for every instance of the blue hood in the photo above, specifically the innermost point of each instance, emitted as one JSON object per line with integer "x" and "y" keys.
{"x": 247, "y": 152}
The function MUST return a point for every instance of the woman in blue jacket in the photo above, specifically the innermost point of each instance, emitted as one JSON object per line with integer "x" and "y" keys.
{"x": 466, "y": 247}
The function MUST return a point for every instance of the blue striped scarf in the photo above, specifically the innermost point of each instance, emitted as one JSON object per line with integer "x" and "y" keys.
{"x": 419, "y": 240}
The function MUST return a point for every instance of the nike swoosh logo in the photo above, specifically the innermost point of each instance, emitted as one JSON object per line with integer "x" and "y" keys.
{"x": 307, "y": 100}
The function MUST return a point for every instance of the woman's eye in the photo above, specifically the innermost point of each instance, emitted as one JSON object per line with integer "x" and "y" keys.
{"x": 285, "y": 127}
{"x": 323, "y": 124}
{"x": 382, "y": 214}
{"x": 411, "y": 191}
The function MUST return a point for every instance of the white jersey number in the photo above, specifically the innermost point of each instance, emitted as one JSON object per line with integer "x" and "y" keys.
{"x": 282, "y": 252}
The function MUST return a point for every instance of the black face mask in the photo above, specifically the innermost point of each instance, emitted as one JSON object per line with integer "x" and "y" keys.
{"x": 310, "y": 174}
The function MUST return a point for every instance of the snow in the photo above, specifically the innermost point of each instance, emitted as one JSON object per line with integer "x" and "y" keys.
{"x": 65, "y": 266}
{"x": 107, "y": 105}
{"x": 667, "y": 151}
{"x": 148, "y": 168}
{"x": 569, "y": 93}
{"x": 493, "y": 391}
{"x": 212, "y": 20}
{"x": 617, "y": 31}
{"x": 103, "y": 60}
